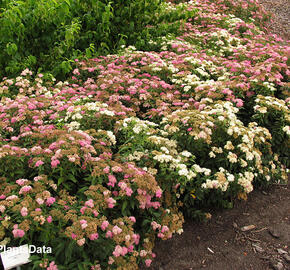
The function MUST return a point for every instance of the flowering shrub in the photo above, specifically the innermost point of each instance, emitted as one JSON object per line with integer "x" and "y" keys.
{"x": 100, "y": 165}
{"x": 273, "y": 113}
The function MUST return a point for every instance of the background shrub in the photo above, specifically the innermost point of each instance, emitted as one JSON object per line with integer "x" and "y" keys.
{"x": 47, "y": 35}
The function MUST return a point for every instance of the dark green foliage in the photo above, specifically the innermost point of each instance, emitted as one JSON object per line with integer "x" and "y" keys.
{"x": 49, "y": 34}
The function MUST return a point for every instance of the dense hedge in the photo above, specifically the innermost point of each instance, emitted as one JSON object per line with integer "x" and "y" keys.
{"x": 47, "y": 34}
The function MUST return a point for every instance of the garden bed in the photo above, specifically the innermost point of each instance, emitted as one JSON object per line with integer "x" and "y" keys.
{"x": 104, "y": 164}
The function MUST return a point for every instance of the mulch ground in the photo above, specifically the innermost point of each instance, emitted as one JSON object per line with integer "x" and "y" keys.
{"x": 224, "y": 241}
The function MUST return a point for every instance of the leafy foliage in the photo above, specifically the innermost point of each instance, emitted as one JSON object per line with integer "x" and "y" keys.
{"x": 48, "y": 35}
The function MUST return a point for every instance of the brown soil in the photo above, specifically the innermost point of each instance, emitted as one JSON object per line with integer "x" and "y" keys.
{"x": 220, "y": 244}
{"x": 280, "y": 11}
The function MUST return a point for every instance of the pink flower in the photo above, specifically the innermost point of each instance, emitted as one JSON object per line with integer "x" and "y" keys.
{"x": 76, "y": 72}
{"x": 239, "y": 102}
{"x": 136, "y": 238}
{"x": 81, "y": 242}
{"x": 104, "y": 225}
{"x": 111, "y": 202}
{"x": 109, "y": 234}
{"x": 155, "y": 225}
{"x": 39, "y": 163}
{"x": 49, "y": 219}
{"x": 164, "y": 229}
{"x": 83, "y": 223}
{"x": 111, "y": 260}
{"x": 50, "y": 201}
{"x": 129, "y": 192}
{"x": 94, "y": 236}
{"x": 2, "y": 197}
{"x": 148, "y": 262}
{"x": 112, "y": 180}
{"x": 25, "y": 189}
{"x": 160, "y": 235}
{"x": 2, "y": 208}
{"x": 124, "y": 251}
{"x": 52, "y": 266}
{"x": 21, "y": 182}
{"x": 73, "y": 236}
{"x": 24, "y": 211}
{"x": 12, "y": 197}
{"x": 54, "y": 163}
{"x": 158, "y": 193}
{"x": 82, "y": 210}
{"x": 133, "y": 219}
{"x": 130, "y": 248}
{"x": 143, "y": 253}
{"x": 116, "y": 230}
{"x": 18, "y": 233}
{"x": 39, "y": 201}
{"x": 89, "y": 203}
{"x": 106, "y": 170}
{"x": 118, "y": 250}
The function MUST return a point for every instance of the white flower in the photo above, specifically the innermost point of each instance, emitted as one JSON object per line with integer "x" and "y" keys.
{"x": 229, "y": 146}
{"x": 231, "y": 177}
{"x": 73, "y": 125}
{"x": 206, "y": 171}
{"x": 230, "y": 131}
{"x": 197, "y": 168}
{"x": 137, "y": 129}
{"x": 77, "y": 116}
{"x": 249, "y": 155}
{"x": 212, "y": 154}
{"x": 164, "y": 149}
{"x": 262, "y": 109}
{"x": 245, "y": 139}
{"x": 163, "y": 158}
{"x": 180, "y": 231}
{"x": 287, "y": 130}
{"x": 183, "y": 172}
{"x": 232, "y": 157}
{"x": 186, "y": 153}
{"x": 243, "y": 163}
{"x": 111, "y": 136}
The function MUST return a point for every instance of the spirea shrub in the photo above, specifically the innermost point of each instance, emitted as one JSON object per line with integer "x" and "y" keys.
{"x": 101, "y": 165}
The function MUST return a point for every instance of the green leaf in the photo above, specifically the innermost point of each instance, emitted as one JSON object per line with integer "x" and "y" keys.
{"x": 124, "y": 206}
{"x": 11, "y": 48}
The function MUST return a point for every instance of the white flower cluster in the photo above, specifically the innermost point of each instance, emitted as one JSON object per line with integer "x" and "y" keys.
{"x": 286, "y": 129}
{"x": 73, "y": 126}
{"x": 200, "y": 76}
{"x": 109, "y": 134}
{"x": 233, "y": 21}
{"x": 270, "y": 86}
{"x": 137, "y": 155}
{"x": 245, "y": 180}
{"x": 221, "y": 180}
{"x": 271, "y": 102}
{"x": 138, "y": 125}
